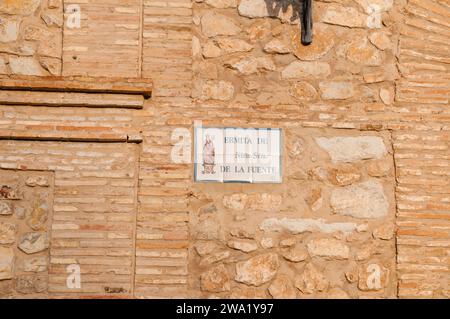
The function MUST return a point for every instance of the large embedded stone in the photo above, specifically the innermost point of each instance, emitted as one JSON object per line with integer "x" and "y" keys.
{"x": 251, "y": 65}
{"x": 288, "y": 13}
{"x": 361, "y": 52}
{"x": 34, "y": 242}
{"x": 336, "y": 90}
{"x": 38, "y": 217}
{"x": 352, "y": 149}
{"x": 344, "y": 16}
{"x": 328, "y": 248}
{"x": 215, "y": 279}
{"x": 25, "y": 66}
{"x": 321, "y": 45}
{"x": 277, "y": 46}
{"x": 7, "y": 233}
{"x": 301, "y": 69}
{"x": 19, "y": 7}
{"x": 9, "y": 30}
{"x": 6, "y": 263}
{"x": 311, "y": 280}
{"x": 257, "y": 270}
{"x": 301, "y": 225}
{"x": 363, "y": 200}
{"x": 303, "y": 91}
{"x": 282, "y": 288}
{"x": 214, "y": 24}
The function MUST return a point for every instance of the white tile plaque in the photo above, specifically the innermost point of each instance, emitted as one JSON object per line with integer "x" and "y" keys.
{"x": 245, "y": 155}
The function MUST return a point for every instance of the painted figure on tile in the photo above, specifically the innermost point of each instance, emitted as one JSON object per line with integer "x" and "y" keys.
{"x": 208, "y": 156}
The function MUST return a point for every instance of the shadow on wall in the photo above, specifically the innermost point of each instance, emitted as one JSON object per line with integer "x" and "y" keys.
{"x": 278, "y": 7}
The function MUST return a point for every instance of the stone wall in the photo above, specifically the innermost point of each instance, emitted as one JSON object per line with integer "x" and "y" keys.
{"x": 321, "y": 233}
{"x": 26, "y": 200}
{"x": 363, "y": 110}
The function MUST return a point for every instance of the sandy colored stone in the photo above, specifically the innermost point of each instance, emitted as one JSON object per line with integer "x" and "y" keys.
{"x": 257, "y": 270}
{"x": 38, "y": 217}
{"x": 5, "y": 208}
{"x": 362, "y": 52}
{"x": 233, "y": 45}
{"x": 334, "y": 90}
{"x": 211, "y": 50}
{"x": 303, "y": 91}
{"x": 259, "y": 30}
{"x": 314, "y": 199}
{"x": 28, "y": 284}
{"x": 344, "y": 16}
{"x": 251, "y": 65}
{"x": 35, "y": 242}
{"x": 267, "y": 242}
{"x": 282, "y": 288}
{"x": 7, "y": 233}
{"x": 215, "y": 279}
{"x": 216, "y": 90}
{"x": 301, "y": 225}
{"x": 9, "y": 30}
{"x": 363, "y": 200}
{"x": 276, "y": 46}
{"x": 236, "y": 201}
{"x": 301, "y": 69}
{"x": 25, "y": 66}
{"x": 344, "y": 176}
{"x": 311, "y": 280}
{"x": 295, "y": 254}
{"x": 37, "y": 181}
{"x": 214, "y": 24}
{"x": 242, "y": 245}
{"x": 6, "y": 263}
{"x": 37, "y": 264}
{"x": 328, "y": 248}
{"x": 352, "y": 149}
{"x": 321, "y": 45}
{"x": 384, "y": 232}
{"x": 241, "y": 232}
{"x": 262, "y": 9}
{"x": 387, "y": 96}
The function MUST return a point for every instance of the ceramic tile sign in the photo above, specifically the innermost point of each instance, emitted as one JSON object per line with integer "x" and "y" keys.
{"x": 245, "y": 155}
